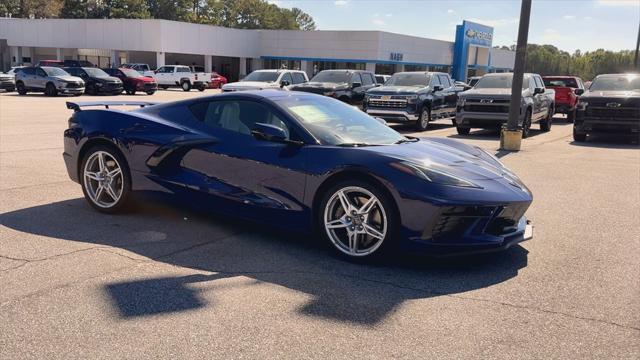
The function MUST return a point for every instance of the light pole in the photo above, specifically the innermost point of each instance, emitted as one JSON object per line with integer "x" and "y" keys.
{"x": 511, "y": 136}
{"x": 635, "y": 59}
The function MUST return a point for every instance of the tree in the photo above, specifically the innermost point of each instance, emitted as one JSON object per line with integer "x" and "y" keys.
{"x": 304, "y": 20}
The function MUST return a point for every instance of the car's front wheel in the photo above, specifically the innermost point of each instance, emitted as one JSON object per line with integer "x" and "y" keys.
{"x": 50, "y": 90}
{"x": 357, "y": 219}
{"x": 578, "y": 136}
{"x": 22, "y": 90}
{"x": 424, "y": 119}
{"x": 105, "y": 179}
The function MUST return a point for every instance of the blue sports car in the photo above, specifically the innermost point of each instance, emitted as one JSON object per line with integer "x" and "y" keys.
{"x": 302, "y": 162}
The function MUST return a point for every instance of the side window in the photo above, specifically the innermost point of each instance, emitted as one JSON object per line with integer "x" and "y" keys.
{"x": 161, "y": 69}
{"x": 286, "y": 77}
{"x": 41, "y": 72}
{"x": 435, "y": 80}
{"x": 366, "y": 79}
{"x": 26, "y": 71}
{"x": 539, "y": 82}
{"x": 444, "y": 81}
{"x": 183, "y": 70}
{"x": 298, "y": 78}
{"x": 355, "y": 78}
{"x": 237, "y": 116}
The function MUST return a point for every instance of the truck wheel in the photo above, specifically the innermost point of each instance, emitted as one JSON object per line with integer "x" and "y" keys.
{"x": 578, "y": 136}
{"x": 526, "y": 125}
{"x": 545, "y": 125}
{"x": 463, "y": 130}
{"x": 201, "y": 88}
{"x": 571, "y": 116}
{"x": 22, "y": 90}
{"x": 425, "y": 118}
{"x": 164, "y": 87}
{"x": 131, "y": 92}
{"x": 151, "y": 92}
{"x": 186, "y": 86}
{"x": 50, "y": 90}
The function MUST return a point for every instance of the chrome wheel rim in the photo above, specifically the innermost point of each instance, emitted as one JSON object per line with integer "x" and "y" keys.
{"x": 424, "y": 119}
{"x": 103, "y": 179}
{"x": 355, "y": 221}
{"x": 185, "y": 86}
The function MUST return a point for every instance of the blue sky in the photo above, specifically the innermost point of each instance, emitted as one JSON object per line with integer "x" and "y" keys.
{"x": 567, "y": 24}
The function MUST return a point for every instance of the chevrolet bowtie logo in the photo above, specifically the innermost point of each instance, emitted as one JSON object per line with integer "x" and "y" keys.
{"x": 613, "y": 105}
{"x": 486, "y": 101}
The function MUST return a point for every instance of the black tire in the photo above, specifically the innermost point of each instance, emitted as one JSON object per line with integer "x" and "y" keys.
{"x": 22, "y": 90}
{"x": 131, "y": 92}
{"x": 463, "y": 130}
{"x": 91, "y": 90}
{"x": 126, "y": 179}
{"x": 526, "y": 125}
{"x": 545, "y": 125}
{"x": 388, "y": 243}
{"x": 186, "y": 86}
{"x": 578, "y": 136}
{"x": 50, "y": 90}
{"x": 164, "y": 87}
{"x": 151, "y": 92}
{"x": 202, "y": 88}
{"x": 424, "y": 120}
{"x": 571, "y": 116}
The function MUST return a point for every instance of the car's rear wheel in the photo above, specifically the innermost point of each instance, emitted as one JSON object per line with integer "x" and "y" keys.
{"x": 202, "y": 88}
{"x": 545, "y": 125}
{"x": 164, "y": 87}
{"x": 526, "y": 125}
{"x": 50, "y": 90}
{"x": 424, "y": 119}
{"x": 22, "y": 90}
{"x": 151, "y": 92}
{"x": 358, "y": 219}
{"x": 186, "y": 86}
{"x": 131, "y": 92}
{"x": 105, "y": 179}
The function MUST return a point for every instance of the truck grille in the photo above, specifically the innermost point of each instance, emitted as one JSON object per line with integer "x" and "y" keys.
{"x": 73, "y": 85}
{"x": 387, "y": 104}
{"x": 614, "y": 113}
{"x": 488, "y": 108}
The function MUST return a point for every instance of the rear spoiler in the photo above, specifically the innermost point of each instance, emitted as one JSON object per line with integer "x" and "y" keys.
{"x": 79, "y": 105}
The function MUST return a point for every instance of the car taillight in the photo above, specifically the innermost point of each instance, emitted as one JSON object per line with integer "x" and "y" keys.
{"x": 196, "y": 76}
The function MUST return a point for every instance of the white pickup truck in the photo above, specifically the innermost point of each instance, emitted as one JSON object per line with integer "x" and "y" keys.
{"x": 181, "y": 76}
{"x": 143, "y": 69}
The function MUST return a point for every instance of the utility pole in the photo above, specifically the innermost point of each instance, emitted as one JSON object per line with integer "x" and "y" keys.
{"x": 511, "y": 137}
{"x": 635, "y": 59}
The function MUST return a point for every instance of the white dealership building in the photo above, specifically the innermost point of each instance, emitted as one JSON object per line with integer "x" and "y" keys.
{"x": 236, "y": 52}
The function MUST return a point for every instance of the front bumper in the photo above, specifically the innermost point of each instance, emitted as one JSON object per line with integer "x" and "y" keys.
{"x": 613, "y": 125}
{"x": 73, "y": 91}
{"x": 483, "y": 120}
{"x": 7, "y": 86}
{"x": 400, "y": 116}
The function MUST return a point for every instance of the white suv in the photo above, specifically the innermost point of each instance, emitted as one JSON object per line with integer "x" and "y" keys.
{"x": 268, "y": 79}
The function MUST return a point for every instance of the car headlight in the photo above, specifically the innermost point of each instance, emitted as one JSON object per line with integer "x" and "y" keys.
{"x": 329, "y": 93}
{"x": 433, "y": 173}
{"x": 461, "y": 101}
{"x": 582, "y": 105}
{"x": 412, "y": 99}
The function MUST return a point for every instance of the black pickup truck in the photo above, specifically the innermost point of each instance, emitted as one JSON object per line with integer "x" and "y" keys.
{"x": 611, "y": 105}
{"x": 417, "y": 97}
{"x": 346, "y": 85}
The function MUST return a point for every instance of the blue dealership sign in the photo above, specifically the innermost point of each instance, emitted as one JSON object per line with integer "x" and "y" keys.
{"x": 469, "y": 33}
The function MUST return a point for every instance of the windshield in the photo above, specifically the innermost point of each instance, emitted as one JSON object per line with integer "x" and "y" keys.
{"x": 408, "y": 79}
{"x": 262, "y": 76}
{"x": 54, "y": 71}
{"x": 131, "y": 73}
{"x": 95, "y": 72}
{"x": 336, "y": 123}
{"x": 564, "y": 82}
{"x": 331, "y": 77}
{"x": 619, "y": 83}
{"x": 499, "y": 82}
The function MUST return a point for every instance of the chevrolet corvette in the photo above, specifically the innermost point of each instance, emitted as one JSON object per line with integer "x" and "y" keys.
{"x": 301, "y": 162}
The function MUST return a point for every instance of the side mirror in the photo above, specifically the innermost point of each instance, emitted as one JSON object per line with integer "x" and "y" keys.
{"x": 538, "y": 91}
{"x": 284, "y": 83}
{"x": 437, "y": 88}
{"x": 579, "y": 91}
{"x": 268, "y": 132}
{"x": 356, "y": 85}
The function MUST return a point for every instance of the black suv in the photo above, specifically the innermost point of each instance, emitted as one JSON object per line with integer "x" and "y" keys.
{"x": 415, "y": 96}
{"x": 612, "y": 105}
{"x": 345, "y": 85}
{"x": 97, "y": 81}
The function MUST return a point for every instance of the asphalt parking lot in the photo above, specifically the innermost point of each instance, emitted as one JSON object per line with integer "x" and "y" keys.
{"x": 168, "y": 283}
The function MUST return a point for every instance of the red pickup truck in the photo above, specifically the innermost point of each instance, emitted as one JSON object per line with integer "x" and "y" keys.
{"x": 568, "y": 89}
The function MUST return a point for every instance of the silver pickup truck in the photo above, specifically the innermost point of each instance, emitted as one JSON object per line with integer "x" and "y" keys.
{"x": 486, "y": 106}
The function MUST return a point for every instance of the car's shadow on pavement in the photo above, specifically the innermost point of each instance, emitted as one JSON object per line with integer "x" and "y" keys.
{"x": 219, "y": 248}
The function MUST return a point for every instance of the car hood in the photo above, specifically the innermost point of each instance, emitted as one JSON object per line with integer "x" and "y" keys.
{"x": 455, "y": 157}
{"x": 597, "y": 94}
{"x": 110, "y": 79}
{"x": 250, "y": 85}
{"x": 396, "y": 90}
{"x": 321, "y": 85}
{"x": 68, "y": 78}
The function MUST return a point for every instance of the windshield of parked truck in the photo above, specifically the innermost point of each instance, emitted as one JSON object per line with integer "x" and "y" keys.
{"x": 54, "y": 71}
{"x": 499, "y": 82}
{"x": 335, "y": 77}
{"x": 262, "y": 76}
{"x": 560, "y": 82}
{"x": 408, "y": 79}
{"x": 616, "y": 83}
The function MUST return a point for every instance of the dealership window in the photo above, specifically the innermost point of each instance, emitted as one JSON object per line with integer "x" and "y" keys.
{"x": 384, "y": 69}
{"x": 416, "y": 68}
{"x": 281, "y": 64}
{"x": 441, "y": 68}
{"x": 334, "y": 65}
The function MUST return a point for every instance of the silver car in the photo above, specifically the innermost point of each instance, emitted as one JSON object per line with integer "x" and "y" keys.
{"x": 50, "y": 80}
